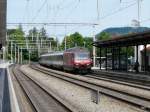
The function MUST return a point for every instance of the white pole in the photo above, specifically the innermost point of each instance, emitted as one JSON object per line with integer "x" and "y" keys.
{"x": 138, "y": 17}
{"x": 57, "y": 44}
{"x": 65, "y": 38}
{"x": 7, "y": 44}
{"x": 41, "y": 42}
{"x": 3, "y": 53}
{"x": 97, "y": 9}
{"x": 21, "y": 54}
{"x": 38, "y": 45}
{"x": 138, "y": 13}
{"x": 32, "y": 35}
{"x": 15, "y": 53}
{"x": 94, "y": 50}
{"x": 18, "y": 55}
{"x": 11, "y": 52}
{"x": 27, "y": 43}
{"x": 29, "y": 55}
{"x": 50, "y": 46}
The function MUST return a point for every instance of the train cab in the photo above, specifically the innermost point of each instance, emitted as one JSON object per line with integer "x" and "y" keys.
{"x": 77, "y": 59}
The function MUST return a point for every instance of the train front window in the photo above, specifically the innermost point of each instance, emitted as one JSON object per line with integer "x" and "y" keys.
{"x": 81, "y": 56}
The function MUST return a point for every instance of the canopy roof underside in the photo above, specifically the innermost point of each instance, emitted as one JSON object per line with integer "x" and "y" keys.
{"x": 125, "y": 40}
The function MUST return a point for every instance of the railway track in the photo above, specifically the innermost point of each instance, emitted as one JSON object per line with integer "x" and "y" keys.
{"x": 137, "y": 99}
{"x": 118, "y": 81}
{"x": 39, "y": 98}
{"x": 139, "y": 79}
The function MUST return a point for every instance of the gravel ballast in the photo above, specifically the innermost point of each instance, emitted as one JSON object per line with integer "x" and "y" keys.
{"x": 78, "y": 97}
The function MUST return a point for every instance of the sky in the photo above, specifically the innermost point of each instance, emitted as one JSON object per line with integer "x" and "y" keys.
{"x": 112, "y": 13}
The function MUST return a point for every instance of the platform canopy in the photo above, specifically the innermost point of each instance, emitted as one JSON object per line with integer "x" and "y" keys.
{"x": 133, "y": 39}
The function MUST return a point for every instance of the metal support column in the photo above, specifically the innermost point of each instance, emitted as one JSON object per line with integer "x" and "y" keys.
{"x": 100, "y": 61}
{"x": 145, "y": 65}
{"x": 21, "y": 54}
{"x": 50, "y": 46}
{"x": 29, "y": 55}
{"x": 18, "y": 55}
{"x": 119, "y": 50}
{"x": 112, "y": 52}
{"x": 106, "y": 59}
{"x": 137, "y": 57}
{"x": 126, "y": 58}
{"x": 4, "y": 52}
{"x": 15, "y": 53}
{"x": 11, "y": 52}
{"x": 65, "y": 37}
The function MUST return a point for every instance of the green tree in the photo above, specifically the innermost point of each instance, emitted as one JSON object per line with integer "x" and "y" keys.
{"x": 33, "y": 33}
{"x": 53, "y": 43}
{"x": 73, "y": 40}
{"x": 43, "y": 33}
{"x": 103, "y": 36}
{"x": 76, "y": 39}
{"x": 68, "y": 42}
{"x": 88, "y": 43}
{"x": 130, "y": 51}
{"x": 16, "y": 36}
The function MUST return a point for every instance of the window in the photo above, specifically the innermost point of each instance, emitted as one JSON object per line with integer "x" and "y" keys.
{"x": 81, "y": 56}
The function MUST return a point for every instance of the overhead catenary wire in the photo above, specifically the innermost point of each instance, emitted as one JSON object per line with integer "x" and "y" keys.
{"x": 39, "y": 10}
{"x": 64, "y": 6}
{"x": 60, "y": 7}
{"x": 57, "y": 24}
{"x": 98, "y": 12}
{"x": 146, "y": 20}
{"x": 118, "y": 10}
{"x": 73, "y": 8}
{"x": 26, "y": 10}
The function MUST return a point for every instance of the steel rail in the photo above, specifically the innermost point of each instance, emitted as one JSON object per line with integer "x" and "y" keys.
{"x": 132, "y": 78}
{"x": 117, "y": 81}
{"x": 23, "y": 89}
{"x": 130, "y": 98}
{"x": 30, "y": 98}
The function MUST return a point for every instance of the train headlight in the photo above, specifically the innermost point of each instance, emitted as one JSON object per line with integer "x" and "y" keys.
{"x": 77, "y": 64}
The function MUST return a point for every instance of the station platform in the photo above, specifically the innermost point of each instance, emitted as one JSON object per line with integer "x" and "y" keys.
{"x": 4, "y": 88}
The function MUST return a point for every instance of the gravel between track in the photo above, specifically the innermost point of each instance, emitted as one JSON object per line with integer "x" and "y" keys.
{"x": 77, "y": 96}
{"x": 23, "y": 102}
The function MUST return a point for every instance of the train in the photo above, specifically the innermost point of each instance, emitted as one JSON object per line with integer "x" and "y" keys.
{"x": 75, "y": 59}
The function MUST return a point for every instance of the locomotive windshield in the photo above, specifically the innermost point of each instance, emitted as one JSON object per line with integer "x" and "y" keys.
{"x": 81, "y": 56}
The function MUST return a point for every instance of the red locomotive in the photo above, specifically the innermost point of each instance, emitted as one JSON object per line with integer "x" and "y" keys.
{"x": 73, "y": 59}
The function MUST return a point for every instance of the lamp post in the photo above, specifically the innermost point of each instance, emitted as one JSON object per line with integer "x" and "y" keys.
{"x": 21, "y": 55}
{"x": 18, "y": 55}
{"x": 11, "y": 51}
{"x": 15, "y": 53}
{"x": 94, "y": 49}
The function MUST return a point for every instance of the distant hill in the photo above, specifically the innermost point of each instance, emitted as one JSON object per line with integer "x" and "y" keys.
{"x": 124, "y": 30}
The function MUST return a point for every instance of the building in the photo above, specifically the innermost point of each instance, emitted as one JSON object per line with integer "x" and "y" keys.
{"x": 119, "y": 61}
